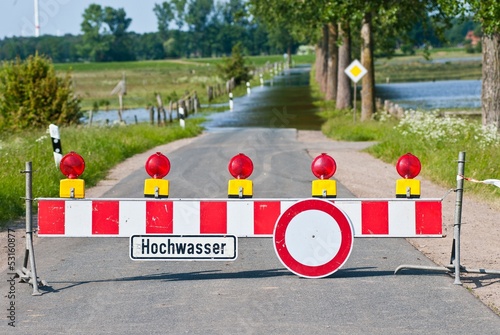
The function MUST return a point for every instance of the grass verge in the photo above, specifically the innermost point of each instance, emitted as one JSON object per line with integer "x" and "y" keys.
{"x": 101, "y": 147}
{"x": 434, "y": 139}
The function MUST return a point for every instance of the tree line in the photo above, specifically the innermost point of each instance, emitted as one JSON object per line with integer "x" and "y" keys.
{"x": 186, "y": 28}
{"x": 203, "y": 28}
{"x": 344, "y": 30}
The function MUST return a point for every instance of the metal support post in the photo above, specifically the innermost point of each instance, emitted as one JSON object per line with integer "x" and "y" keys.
{"x": 455, "y": 265}
{"x": 26, "y": 275}
{"x": 458, "y": 215}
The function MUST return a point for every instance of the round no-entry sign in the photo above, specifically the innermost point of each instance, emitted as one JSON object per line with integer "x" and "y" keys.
{"x": 313, "y": 238}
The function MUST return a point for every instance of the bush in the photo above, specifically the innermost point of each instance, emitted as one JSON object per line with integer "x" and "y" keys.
{"x": 32, "y": 96}
{"x": 234, "y": 67}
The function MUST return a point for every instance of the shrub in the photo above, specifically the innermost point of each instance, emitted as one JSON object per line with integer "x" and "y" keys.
{"x": 234, "y": 67}
{"x": 32, "y": 96}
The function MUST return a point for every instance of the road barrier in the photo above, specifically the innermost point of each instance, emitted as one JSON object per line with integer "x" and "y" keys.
{"x": 312, "y": 237}
{"x": 243, "y": 218}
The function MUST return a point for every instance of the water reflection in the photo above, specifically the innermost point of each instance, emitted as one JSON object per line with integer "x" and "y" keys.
{"x": 433, "y": 95}
{"x": 284, "y": 102}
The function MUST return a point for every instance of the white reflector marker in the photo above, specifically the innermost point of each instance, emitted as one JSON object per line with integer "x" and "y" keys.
{"x": 184, "y": 247}
{"x": 313, "y": 238}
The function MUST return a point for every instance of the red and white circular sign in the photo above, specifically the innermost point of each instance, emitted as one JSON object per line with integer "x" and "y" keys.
{"x": 313, "y": 238}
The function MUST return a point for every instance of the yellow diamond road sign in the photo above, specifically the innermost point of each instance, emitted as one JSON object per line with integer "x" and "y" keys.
{"x": 355, "y": 71}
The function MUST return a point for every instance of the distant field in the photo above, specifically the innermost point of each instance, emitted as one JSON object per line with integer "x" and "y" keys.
{"x": 93, "y": 82}
{"x": 444, "y": 64}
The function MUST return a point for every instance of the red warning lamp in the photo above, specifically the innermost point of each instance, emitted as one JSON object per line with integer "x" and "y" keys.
{"x": 157, "y": 166}
{"x": 408, "y": 166}
{"x": 240, "y": 166}
{"x": 72, "y": 165}
{"x": 323, "y": 166}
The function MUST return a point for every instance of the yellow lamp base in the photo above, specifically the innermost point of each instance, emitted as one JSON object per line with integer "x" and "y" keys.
{"x": 72, "y": 188}
{"x": 156, "y": 188}
{"x": 324, "y": 188}
{"x": 407, "y": 188}
{"x": 240, "y": 188}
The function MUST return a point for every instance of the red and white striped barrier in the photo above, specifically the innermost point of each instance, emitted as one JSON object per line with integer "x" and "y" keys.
{"x": 243, "y": 218}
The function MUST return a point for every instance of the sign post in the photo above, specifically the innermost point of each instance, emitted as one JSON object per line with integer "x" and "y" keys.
{"x": 355, "y": 71}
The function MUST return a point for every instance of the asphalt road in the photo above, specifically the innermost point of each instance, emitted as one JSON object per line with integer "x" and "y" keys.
{"x": 96, "y": 289}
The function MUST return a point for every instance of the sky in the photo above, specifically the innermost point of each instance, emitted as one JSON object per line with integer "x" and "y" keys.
{"x": 59, "y": 17}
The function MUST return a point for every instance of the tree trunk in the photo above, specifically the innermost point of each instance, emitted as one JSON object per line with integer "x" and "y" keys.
{"x": 319, "y": 62}
{"x": 344, "y": 95}
{"x": 490, "y": 95}
{"x": 331, "y": 77}
{"x": 368, "y": 81}
{"x": 289, "y": 55}
{"x": 324, "y": 67}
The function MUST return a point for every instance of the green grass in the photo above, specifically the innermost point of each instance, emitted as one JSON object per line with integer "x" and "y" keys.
{"x": 417, "y": 68}
{"x": 438, "y": 157}
{"x": 425, "y": 71}
{"x": 101, "y": 147}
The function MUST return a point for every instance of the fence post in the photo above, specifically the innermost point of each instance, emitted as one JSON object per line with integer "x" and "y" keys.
{"x": 151, "y": 115}
{"x": 170, "y": 108}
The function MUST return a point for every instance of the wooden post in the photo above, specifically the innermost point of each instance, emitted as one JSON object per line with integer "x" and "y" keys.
{"x": 151, "y": 115}
{"x": 170, "y": 108}
{"x": 196, "y": 102}
{"x": 210, "y": 93}
{"x": 159, "y": 103}
{"x": 120, "y": 109}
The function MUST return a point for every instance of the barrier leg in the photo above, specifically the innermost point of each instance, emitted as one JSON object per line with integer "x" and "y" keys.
{"x": 25, "y": 275}
{"x": 455, "y": 265}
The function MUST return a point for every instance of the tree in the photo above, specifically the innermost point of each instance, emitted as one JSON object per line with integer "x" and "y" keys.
{"x": 344, "y": 96}
{"x": 284, "y": 19}
{"x": 197, "y": 18}
{"x": 96, "y": 40}
{"x": 32, "y": 95}
{"x": 368, "y": 81}
{"x": 164, "y": 15}
{"x": 487, "y": 13}
{"x": 118, "y": 23}
{"x": 105, "y": 36}
{"x": 235, "y": 67}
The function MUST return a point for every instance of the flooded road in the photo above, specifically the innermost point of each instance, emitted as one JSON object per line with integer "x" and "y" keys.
{"x": 284, "y": 102}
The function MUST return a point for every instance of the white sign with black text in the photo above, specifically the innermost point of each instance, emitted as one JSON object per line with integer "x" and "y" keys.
{"x": 184, "y": 247}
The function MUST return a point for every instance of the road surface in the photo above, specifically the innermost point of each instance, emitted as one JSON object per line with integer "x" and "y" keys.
{"x": 96, "y": 289}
